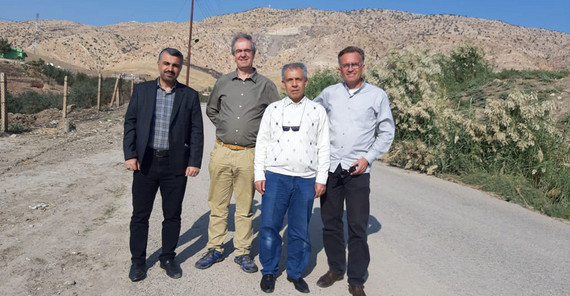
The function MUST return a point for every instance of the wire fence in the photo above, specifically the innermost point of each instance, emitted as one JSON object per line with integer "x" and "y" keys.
{"x": 85, "y": 92}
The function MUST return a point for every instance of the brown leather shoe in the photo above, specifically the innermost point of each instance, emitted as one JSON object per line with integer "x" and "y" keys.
{"x": 355, "y": 290}
{"x": 328, "y": 279}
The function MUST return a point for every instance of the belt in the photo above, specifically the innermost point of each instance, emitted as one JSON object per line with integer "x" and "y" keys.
{"x": 159, "y": 153}
{"x": 233, "y": 147}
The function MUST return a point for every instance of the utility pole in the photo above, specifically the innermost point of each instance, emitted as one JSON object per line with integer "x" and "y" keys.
{"x": 3, "y": 107}
{"x": 35, "y": 44}
{"x": 189, "y": 44}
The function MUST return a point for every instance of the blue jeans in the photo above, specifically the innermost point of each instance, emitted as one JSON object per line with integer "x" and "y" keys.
{"x": 294, "y": 195}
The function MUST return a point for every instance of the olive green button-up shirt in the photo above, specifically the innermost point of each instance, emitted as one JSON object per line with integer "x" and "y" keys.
{"x": 236, "y": 106}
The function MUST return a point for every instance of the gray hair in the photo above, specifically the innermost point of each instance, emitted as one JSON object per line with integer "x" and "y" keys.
{"x": 171, "y": 51}
{"x": 352, "y": 49}
{"x": 291, "y": 66}
{"x": 245, "y": 36}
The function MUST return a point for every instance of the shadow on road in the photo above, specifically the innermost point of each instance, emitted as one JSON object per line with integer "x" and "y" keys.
{"x": 316, "y": 236}
{"x": 198, "y": 235}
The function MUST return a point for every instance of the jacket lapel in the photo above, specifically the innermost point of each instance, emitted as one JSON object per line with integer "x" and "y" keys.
{"x": 150, "y": 101}
{"x": 177, "y": 102}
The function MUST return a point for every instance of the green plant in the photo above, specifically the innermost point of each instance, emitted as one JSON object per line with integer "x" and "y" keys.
{"x": 5, "y": 46}
{"x": 320, "y": 80}
{"x": 510, "y": 136}
{"x": 32, "y": 102}
{"x": 411, "y": 80}
{"x": 17, "y": 128}
{"x": 37, "y": 63}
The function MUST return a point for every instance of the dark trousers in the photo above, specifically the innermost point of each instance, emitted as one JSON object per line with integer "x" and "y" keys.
{"x": 355, "y": 191}
{"x": 156, "y": 175}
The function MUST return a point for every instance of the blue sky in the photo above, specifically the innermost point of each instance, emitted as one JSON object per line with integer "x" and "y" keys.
{"x": 546, "y": 14}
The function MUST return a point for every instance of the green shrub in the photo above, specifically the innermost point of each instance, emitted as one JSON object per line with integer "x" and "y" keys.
{"x": 57, "y": 74}
{"x": 512, "y": 135}
{"x": 17, "y": 128}
{"x": 320, "y": 80}
{"x": 32, "y": 102}
{"x": 84, "y": 93}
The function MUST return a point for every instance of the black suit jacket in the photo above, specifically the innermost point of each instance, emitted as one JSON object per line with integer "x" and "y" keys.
{"x": 186, "y": 134}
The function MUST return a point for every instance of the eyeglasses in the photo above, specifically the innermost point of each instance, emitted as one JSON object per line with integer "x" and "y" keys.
{"x": 293, "y": 128}
{"x": 239, "y": 51}
{"x": 354, "y": 66}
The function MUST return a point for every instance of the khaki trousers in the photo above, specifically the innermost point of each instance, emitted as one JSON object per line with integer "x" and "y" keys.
{"x": 231, "y": 171}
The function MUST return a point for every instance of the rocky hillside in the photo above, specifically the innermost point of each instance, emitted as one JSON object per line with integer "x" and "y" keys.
{"x": 306, "y": 35}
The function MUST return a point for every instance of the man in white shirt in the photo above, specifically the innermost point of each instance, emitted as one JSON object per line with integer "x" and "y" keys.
{"x": 292, "y": 159}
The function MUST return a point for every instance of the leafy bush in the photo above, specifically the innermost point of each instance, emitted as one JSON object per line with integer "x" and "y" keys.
{"x": 57, "y": 74}
{"x": 32, "y": 102}
{"x": 17, "y": 128}
{"x": 512, "y": 136}
{"x": 320, "y": 80}
{"x": 84, "y": 93}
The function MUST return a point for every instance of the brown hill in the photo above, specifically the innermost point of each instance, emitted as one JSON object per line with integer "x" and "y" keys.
{"x": 306, "y": 35}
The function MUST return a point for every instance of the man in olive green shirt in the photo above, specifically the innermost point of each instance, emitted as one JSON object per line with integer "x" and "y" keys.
{"x": 235, "y": 107}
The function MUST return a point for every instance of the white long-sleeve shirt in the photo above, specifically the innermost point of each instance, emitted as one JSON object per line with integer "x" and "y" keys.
{"x": 304, "y": 153}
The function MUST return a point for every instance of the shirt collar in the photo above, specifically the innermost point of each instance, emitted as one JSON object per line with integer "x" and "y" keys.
{"x": 158, "y": 85}
{"x": 253, "y": 76}
{"x": 287, "y": 101}
{"x": 358, "y": 90}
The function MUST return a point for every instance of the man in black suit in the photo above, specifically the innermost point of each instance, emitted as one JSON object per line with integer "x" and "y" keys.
{"x": 163, "y": 144}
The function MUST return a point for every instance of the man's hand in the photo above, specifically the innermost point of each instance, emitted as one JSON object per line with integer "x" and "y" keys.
{"x": 362, "y": 165}
{"x": 320, "y": 189}
{"x": 132, "y": 164}
{"x": 192, "y": 171}
{"x": 260, "y": 186}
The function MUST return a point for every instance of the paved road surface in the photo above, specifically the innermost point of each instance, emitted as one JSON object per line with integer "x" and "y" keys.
{"x": 427, "y": 236}
{"x": 432, "y": 237}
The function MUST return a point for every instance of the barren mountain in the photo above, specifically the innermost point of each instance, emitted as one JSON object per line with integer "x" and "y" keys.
{"x": 306, "y": 35}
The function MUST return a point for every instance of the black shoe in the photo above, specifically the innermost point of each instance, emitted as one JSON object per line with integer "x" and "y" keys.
{"x": 300, "y": 284}
{"x": 172, "y": 268}
{"x": 137, "y": 272}
{"x": 267, "y": 283}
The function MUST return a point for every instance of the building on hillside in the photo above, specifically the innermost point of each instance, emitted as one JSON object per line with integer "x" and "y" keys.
{"x": 14, "y": 54}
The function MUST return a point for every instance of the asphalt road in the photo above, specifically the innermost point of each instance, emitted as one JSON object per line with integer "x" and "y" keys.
{"x": 429, "y": 236}
{"x": 461, "y": 241}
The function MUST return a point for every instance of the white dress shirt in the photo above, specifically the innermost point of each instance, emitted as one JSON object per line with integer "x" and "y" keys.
{"x": 304, "y": 153}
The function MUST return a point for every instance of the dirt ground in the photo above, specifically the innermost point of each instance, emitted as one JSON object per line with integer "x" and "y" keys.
{"x": 66, "y": 202}
{"x": 60, "y": 195}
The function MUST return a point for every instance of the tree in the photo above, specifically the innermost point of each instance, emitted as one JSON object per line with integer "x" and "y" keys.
{"x": 5, "y": 46}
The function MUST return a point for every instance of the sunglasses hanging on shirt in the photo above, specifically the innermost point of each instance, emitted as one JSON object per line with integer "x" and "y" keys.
{"x": 293, "y": 128}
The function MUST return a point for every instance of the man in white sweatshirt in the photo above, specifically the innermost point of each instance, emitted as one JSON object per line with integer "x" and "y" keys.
{"x": 292, "y": 159}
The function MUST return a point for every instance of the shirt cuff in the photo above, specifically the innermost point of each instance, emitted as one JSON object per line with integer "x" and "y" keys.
{"x": 322, "y": 178}
{"x": 259, "y": 175}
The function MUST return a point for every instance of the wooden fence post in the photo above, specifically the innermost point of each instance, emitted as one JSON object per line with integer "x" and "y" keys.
{"x": 99, "y": 94}
{"x": 132, "y": 87}
{"x": 3, "y": 108}
{"x": 114, "y": 92}
{"x": 119, "y": 92}
{"x": 64, "y": 110}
